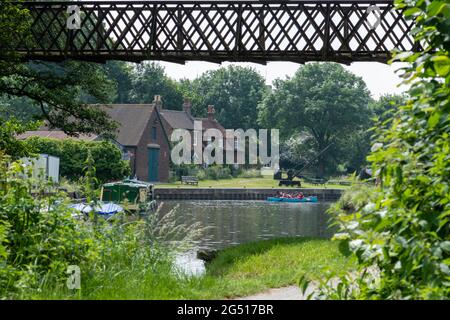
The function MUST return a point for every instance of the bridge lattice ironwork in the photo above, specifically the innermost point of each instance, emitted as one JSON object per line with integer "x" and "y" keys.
{"x": 258, "y": 31}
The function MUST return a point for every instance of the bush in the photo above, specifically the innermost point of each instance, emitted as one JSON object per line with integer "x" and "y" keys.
{"x": 402, "y": 235}
{"x": 250, "y": 173}
{"x": 9, "y": 130}
{"x": 39, "y": 237}
{"x": 217, "y": 173}
{"x": 73, "y": 154}
{"x": 201, "y": 175}
{"x": 353, "y": 200}
{"x": 211, "y": 173}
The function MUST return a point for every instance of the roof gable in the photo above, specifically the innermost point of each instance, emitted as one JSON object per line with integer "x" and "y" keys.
{"x": 132, "y": 119}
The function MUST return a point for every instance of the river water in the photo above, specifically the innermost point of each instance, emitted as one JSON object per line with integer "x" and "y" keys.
{"x": 229, "y": 223}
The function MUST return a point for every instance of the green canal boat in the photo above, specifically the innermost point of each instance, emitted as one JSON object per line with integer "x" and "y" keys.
{"x": 132, "y": 194}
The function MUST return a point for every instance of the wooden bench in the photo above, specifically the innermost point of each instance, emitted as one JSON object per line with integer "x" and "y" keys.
{"x": 189, "y": 180}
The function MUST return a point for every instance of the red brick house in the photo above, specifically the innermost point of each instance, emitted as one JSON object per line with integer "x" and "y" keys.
{"x": 144, "y": 134}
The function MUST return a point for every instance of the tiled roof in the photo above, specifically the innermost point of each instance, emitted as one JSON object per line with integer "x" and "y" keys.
{"x": 133, "y": 118}
{"x": 211, "y": 124}
{"x": 178, "y": 119}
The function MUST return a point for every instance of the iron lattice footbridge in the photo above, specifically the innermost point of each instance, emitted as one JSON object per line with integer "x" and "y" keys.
{"x": 217, "y": 31}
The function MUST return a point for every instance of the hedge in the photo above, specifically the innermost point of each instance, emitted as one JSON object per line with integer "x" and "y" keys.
{"x": 73, "y": 154}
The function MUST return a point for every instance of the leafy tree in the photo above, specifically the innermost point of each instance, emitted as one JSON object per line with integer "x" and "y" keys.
{"x": 22, "y": 109}
{"x": 121, "y": 73}
{"x": 61, "y": 91}
{"x": 9, "y": 145}
{"x": 15, "y": 25}
{"x": 322, "y": 101}
{"x": 403, "y": 232}
{"x": 234, "y": 91}
{"x": 149, "y": 79}
{"x": 386, "y": 105}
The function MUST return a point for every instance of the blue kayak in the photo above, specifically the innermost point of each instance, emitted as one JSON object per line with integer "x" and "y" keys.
{"x": 305, "y": 199}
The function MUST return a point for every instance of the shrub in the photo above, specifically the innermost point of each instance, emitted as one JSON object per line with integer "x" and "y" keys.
{"x": 214, "y": 172}
{"x": 353, "y": 200}
{"x": 217, "y": 173}
{"x": 201, "y": 175}
{"x": 9, "y": 130}
{"x": 250, "y": 173}
{"x": 39, "y": 237}
{"x": 73, "y": 154}
{"x": 402, "y": 236}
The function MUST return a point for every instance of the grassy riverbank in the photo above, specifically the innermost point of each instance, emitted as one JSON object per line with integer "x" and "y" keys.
{"x": 257, "y": 183}
{"x": 242, "y": 270}
{"x": 250, "y": 268}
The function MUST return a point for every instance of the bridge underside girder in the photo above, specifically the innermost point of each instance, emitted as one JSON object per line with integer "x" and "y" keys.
{"x": 217, "y": 31}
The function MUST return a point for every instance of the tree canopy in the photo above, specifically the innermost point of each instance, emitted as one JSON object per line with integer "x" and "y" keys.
{"x": 234, "y": 91}
{"x": 61, "y": 91}
{"x": 150, "y": 79}
{"x": 324, "y": 104}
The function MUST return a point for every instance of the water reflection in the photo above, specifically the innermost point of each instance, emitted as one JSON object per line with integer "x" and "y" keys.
{"x": 229, "y": 223}
{"x": 233, "y": 222}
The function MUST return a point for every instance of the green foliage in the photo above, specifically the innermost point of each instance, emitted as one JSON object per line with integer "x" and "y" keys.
{"x": 22, "y": 109}
{"x": 148, "y": 80}
{"x": 14, "y": 23}
{"x": 89, "y": 182}
{"x": 238, "y": 271}
{"x": 60, "y": 91}
{"x": 234, "y": 91}
{"x": 353, "y": 200}
{"x": 217, "y": 172}
{"x": 9, "y": 144}
{"x": 39, "y": 237}
{"x": 322, "y": 104}
{"x": 211, "y": 173}
{"x": 249, "y": 173}
{"x": 73, "y": 154}
{"x": 121, "y": 73}
{"x": 385, "y": 106}
{"x": 403, "y": 234}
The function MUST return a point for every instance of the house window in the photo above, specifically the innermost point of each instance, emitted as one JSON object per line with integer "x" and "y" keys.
{"x": 154, "y": 133}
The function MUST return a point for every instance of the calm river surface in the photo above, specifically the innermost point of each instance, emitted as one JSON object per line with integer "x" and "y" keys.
{"x": 234, "y": 222}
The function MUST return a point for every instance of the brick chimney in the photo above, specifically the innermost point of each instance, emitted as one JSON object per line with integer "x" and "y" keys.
{"x": 157, "y": 102}
{"x": 187, "y": 106}
{"x": 211, "y": 112}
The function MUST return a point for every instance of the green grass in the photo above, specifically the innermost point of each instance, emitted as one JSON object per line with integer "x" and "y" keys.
{"x": 257, "y": 183}
{"x": 254, "y": 267}
{"x": 238, "y": 271}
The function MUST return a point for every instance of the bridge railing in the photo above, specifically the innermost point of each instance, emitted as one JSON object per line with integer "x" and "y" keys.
{"x": 259, "y": 31}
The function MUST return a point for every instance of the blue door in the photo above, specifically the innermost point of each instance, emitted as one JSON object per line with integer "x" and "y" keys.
{"x": 153, "y": 157}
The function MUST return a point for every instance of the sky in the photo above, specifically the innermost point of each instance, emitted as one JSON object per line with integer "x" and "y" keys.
{"x": 380, "y": 78}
